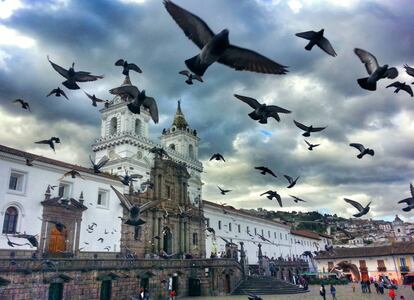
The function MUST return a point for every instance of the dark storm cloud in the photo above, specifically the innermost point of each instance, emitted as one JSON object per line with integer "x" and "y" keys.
{"x": 319, "y": 89}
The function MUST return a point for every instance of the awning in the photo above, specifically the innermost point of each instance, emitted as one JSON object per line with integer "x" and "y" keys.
{"x": 58, "y": 278}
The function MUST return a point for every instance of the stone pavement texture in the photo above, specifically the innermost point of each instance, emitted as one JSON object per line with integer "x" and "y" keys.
{"x": 343, "y": 293}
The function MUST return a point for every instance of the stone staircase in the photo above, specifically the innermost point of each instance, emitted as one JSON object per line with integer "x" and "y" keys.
{"x": 266, "y": 286}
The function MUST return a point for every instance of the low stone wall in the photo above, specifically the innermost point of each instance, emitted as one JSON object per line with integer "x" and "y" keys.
{"x": 82, "y": 278}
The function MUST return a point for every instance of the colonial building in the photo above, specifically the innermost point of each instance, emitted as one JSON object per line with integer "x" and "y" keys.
{"x": 393, "y": 260}
{"x": 277, "y": 240}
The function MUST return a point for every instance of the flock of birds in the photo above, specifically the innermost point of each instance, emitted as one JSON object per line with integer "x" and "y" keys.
{"x": 215, "y": 47}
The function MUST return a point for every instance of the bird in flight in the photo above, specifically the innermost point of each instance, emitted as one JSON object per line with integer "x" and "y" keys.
{"x": 57, "y": 92}
{"x": 375, "y": 71}
{"x": 217, "y": 156}
{"x": 292, "y": 182}
{"x": 317, "y": 38}
{"x": 190, "y": 76}
{"x": 273, "y": 194}
{"x": 217, "y": 48}
{"x": 102, "y": 162}
{"x": 308, "y": 129}
{"x": 73, "y": 174}
{"x": 409, "y": 201}
{"x": 72, "y": 76}
{"x": 361, "y": 210}
{"x": 51, "y": 142}
{"x": 311, "y": 146}
{"x": 409, "y": 71}
{"x": 263, "y": 170}
{"x": 297, "y": 199}
{"x": 401, "y": 86}
{"x": 24, "y": 104}
{"x": 94, "y": 99}
{"x": 262, "y": 111}
{"x": 127, "y": 67}
{"x": 126, "y": 179}
{"x": 134, "y": 209}
{"x": 362, "y": 150}
{"x": 223, "y": 192}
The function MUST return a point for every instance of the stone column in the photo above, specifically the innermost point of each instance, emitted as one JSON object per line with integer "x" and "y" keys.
{"x": 243, "y": 259}
{"x": 260, "y": 257}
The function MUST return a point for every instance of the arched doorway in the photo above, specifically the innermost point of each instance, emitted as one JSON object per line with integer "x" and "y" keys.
{"x": 167, "y": 240}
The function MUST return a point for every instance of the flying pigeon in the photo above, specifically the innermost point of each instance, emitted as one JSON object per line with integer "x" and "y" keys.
{"x": 51, "y": 142}
{"x": 292, "y": 182}
{"x": 308, "y": 254}
{"x": 24, "y": 104}
{"x": 401, "y": 86}
{"x": 311, "y": 146}
{"x": 216, "y": 47}
{"x": 316, "y": 38}
{"x": 190, "y": 76}
{"x": 139, "y": 98}
{"x": 223, "y": 192}
{"x": 297, "y": 199}
{"x": 262, "y": 111}
{"x": 127, "y": 67}
{"x": 273, "y": 194}
{"x": 217, "y": 156}
{"x": 94, "y": 99}
{"x": 409, "y": 201}
{"x": 263, "y": 170}
{"x": 160, "y": 152}
{"x": 133, "y": 209}
{"x": 12, "y": 244}
{"x": 362, "y": 150}
{"x": 30, "y": 160}
{"x": 126, "y": 179}
{"x": 308, "y": 129}
{"x": 73, "y": 174}
{"x": 362, "y": 210}
{"x": 409, "y": 70}
{"x": 211, "y": 230}
{"x": 73, "y": 77}
{"x": 57, "y": 92}
{"x": 102, "y": 162}
{"x": 31, "y": 238}
{"x": 375, "y": 71}
{"x": 101, "y": 240}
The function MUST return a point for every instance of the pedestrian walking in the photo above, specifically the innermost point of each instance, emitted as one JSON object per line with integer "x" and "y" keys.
{"x": 392, "y": 294}
{"x": 322, "y": 292}
{"x": 369, "y": 286}
{"x": 353, "y": 287}
{"x": 376, "y": 287}
{"x": 333, "y": 292}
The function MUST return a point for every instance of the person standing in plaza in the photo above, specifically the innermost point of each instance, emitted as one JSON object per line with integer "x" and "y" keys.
{"x": 333, "y": 292}
{"x": 322, "y": 292}
{"x": 369, "y": 286}
{"x": 392, "y": 294}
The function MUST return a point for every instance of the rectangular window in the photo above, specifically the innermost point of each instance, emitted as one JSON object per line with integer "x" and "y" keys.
{"x": 238, "y": 228}
{"x": 281, "y": 236}
{"x": 219, "y": 225}
{"x": 195, "y": 239}
{"x": 229, "y": 226}
{"x": 103, "y": 200}
{"x": 286, "y": 236}
{"x": 402, "y": 262}
{"x": 247, "y": 229}
{"x": 64, "y": 190}
{"x": 275, "y": 235}
{"x": 16, "y": 182}
{"x": 381, "y": 263}
{"x": 255, "y": 231}
{"x": 262, "y": 232}
{"x": 268, "y": 233}
{"x": 362, "y": 264}
{"x": 208, "y": 222}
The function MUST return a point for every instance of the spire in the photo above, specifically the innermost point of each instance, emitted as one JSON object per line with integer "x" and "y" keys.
{"x": 179, "y": 119}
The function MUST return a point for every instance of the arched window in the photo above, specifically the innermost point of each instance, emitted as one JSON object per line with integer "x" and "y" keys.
{"x": 137, "y": 126}
{"x": 172, "y": 146}
{"x": 113, "y": 126}
{"x": 191, "y": 151}
{"x": 10, "y": 220}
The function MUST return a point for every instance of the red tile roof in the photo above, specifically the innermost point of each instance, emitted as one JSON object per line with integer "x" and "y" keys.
{"x": 393, "y": 249}
{"x": 306, "y": 233}
{"x": 54, "y": 162}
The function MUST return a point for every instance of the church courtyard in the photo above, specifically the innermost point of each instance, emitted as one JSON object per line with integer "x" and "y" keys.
{"x": 343, "y": 293}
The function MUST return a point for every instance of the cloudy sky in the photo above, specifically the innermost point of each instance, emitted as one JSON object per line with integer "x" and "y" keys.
{"x": 319, "y": 90}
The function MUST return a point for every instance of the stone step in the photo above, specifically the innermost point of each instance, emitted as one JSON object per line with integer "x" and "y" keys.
{"x": 267, "y": 286}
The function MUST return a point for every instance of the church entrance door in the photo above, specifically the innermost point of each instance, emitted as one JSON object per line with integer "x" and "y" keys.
{"x": 167, "y": 241}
